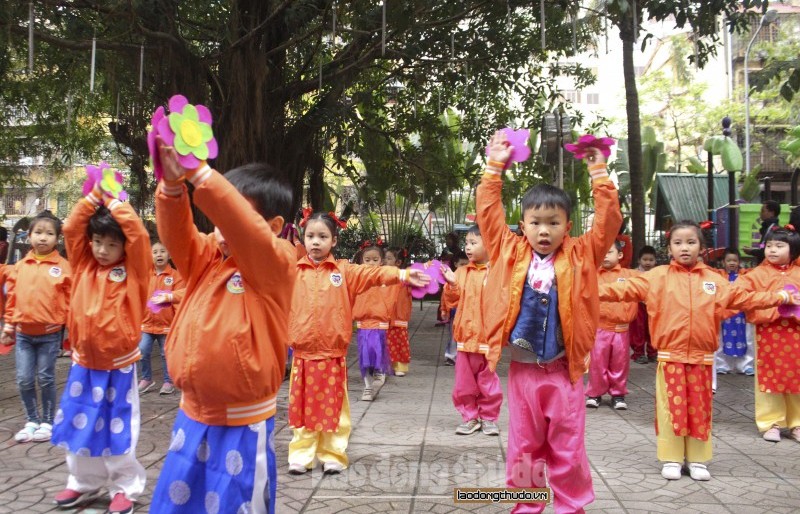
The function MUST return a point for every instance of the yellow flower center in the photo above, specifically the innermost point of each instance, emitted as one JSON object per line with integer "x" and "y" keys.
{"x": 190, "y": 132}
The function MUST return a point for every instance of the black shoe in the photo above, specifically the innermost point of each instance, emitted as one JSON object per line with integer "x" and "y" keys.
{"x": 618, "y": 402}
{"x": 449, "y": 362}
{"x": 593, "y": 401}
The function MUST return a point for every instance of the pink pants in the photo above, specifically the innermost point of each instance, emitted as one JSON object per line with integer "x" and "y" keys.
{"x": 476, "y": 392}
{"x": 546, "y": 426}
{"x": 609, "y": 364}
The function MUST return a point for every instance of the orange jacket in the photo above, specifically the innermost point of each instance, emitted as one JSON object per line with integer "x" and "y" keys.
{"x": 167, "y": 280}
{"x": 767, "y": 277}
{"x": 38, "y": 294}
{"x": 321, "y": 322}
{"x": 107, "y": 302}
{"x": 465, "y": 296}
{"x": 402, "y": 305}
{"x": 576, "y": 266}
{"x": 374, "y": 308}
{"x": 226, "y": 349}
{"x": 615, "y": 316}
{"x": 685, "y": 308}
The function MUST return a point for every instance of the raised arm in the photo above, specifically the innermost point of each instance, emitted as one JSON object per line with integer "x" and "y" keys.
{"x": 359, "y": 277}
{"x": 634, "y": 289}
{"x": 76, "y": 239}
{"x": 607, "y": 216}
{"x": 738, "y": 297}
{"x": 491, "y": 214}
{"x": 137, "y": 241}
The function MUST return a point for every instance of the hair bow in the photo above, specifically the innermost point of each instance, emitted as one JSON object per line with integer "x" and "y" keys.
{"x": 341, "y": 223}
{"x": 368, "y": 243}
{"x": 705, "y": 225}
{"x": 307, "y": 212}
{"x": 789, "y": 227}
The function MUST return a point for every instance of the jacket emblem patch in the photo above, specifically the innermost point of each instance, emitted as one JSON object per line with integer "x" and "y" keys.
{"x": 709, "y": 287}
{"x": 168, "y": 281}
{"x": 55, "y": 272}
{"x": 118, "y": 274}
{"x": 235, "y": 284}
{"x": 336, "y": 279}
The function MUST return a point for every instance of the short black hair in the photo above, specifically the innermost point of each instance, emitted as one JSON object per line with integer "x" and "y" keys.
{"x": 730, "y": 251}
{"x": 42, "y": 216}
{"x": 687, "y": 224}
{"x": 266, "y": 187}
{"x": 647, "y": 250}
{"x": 773, "y": 206}
{"x": 545, "y": 195}
{"x": 618, "y": 245}
{"x": 791, "y": 237}
{"x": 475, "y": 230}
{"x": 102, "y": 223}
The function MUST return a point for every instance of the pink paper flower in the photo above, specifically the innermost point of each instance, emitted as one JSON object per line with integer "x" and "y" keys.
{"x": 155, "y": 308}
{"x": 111, "y": 181}
{"x": 587, "y": 141}
{"x": 155, "y": 160}
{"x": 94, "y": 174}
{"x": 788, "y": 310}
{"x": 519, "y": 140}
{"x": 434, "y": 270}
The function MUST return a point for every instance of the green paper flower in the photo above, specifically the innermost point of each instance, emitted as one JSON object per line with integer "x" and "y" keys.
{"x": 191, "y": 135}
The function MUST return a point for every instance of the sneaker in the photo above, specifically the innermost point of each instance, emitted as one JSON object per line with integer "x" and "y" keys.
{"x": 145, "y": 385}
{"x": 699, "y": 472}
{"x": 671, "y": 471}
{"x": 380, "y": 380}
{"x": 642, "y": 359}
{"x": 366, "y": 396}
{"x": 26, "y": 434}
{"x": 749, "y": 371}
{"x": 69, "y": 498}
{"x": 399, "y": 373}
{"x": 120, "y": 505}
{"x": 795, "y": 434}
{"x": 297, "y": 469}
{"x": 721, "y": 371}
{"x": 43, "y": 433}
{"x": 468, "y": 427}
{"x": 167, "y": 388}
{"x": 489, "y": 427}
{"x": 593, "y": 401}
{"x": 618, "y": 402}
{"x": 773, "y": 435}
{"x": 449, "y": 362}
{"x": 332, "y": 468}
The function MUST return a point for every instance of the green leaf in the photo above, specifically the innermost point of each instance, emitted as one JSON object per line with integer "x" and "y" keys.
{"x": 787, "y": 92}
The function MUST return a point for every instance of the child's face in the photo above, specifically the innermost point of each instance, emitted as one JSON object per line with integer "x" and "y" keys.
{"x": 160, "y": 255}
{"x": 545, "y": 227}
{"x": 371, "y": 258}
{"x": 43, "y": 237}
{"x": 474, "y": 249}
{"x": 647, "y": 261}
{"x": 461, "y": 262}
{"x": 318, "y": 240}
{"x": 612, "y": 257}
{"x": 684, "y": 246}
{"x": 731, "y": 262}
{"x": 392, "y": 260}
{"x": 777, "y": 253}
{"x": 107, "y": 250}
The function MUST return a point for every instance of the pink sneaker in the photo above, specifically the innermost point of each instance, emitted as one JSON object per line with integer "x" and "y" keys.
{"x": 69, "y": 498}
{"x": 145, "y": 385}
{"x": 120, "y": 505}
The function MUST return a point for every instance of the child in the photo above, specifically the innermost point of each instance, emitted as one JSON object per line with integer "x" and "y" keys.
{"x": 166, "y": 290}
{"x": 372, "y": 311}
{"x": 397, "y": 336}
{"x": 609, "y": 362}
{"x": 476, "y": 392}
{"x": 226, "y": 349}
{"x": 541, "y": 296}
{"x": 736, "y": 349}
{"x": 98, "y": 420}
{"x": 450, "y": 350}
{"x": 36, "y": 311}
{"x": 777, "y": 392}
{"x": 686, "y": 302}
{"x": 643, "y": 350}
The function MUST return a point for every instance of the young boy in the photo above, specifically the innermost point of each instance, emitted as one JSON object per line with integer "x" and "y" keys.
{"x": 541, "y": 296}
{"x": 643, "y": 351}
{"x": 737, "y": 348}
{"x": 476, "y": 393}
{"x": 609, "y": 362}
{"x": 227, "y": 347}
{"x": 450, "y": 349}
{"x": 98, "y": 419}
{"x": 166, "y": 291}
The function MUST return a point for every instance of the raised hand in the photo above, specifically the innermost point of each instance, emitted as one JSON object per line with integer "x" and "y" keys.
{"x": 448, "y": 274}
{"x": 594, "y": 156}
{"x": 499, "y": 147}
{"x": 169, "y": 161}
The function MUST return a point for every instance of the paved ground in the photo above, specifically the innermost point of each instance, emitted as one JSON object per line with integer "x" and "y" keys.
{"x": 406, "y": 458}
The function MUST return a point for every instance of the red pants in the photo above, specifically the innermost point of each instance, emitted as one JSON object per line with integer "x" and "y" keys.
{"x": 609, "y": 364}
{"x": 640, "y": 335}
{"x": 476, "y": 392}
{"x": 546, "y": 426}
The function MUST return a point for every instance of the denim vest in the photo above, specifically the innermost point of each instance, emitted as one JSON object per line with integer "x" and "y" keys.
{"x": 538, "y": 326}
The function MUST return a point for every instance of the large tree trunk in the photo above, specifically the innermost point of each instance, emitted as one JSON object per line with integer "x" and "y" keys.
{"x": 634, "y": 140}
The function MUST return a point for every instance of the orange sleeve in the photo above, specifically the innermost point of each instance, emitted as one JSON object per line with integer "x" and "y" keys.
{"x": 137, "y": 242}
{"x": 11, "y": 298}
{"x": 451, "y": 294}
{"x": 360, "y": 277}
{"x": 740, "y": 298}
{"x": 178, "y": 289}
{"x": 76, "y": 241}
{"x": 491, "y": 216}
{"x": 594, "y": 244}
{"x": 633, "y": 289}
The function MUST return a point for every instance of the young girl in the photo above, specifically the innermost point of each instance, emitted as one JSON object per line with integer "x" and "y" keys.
{"x": 777, "y": 338}
{"x": 320, "y": 329}
{"x": 686, "y": 301}
{"x": 36, "y": 311}
{"x": 736, "y": 348}
{"x": 397, "y": 336}
{"x": 166, "y": 291}
{"x": 373, "y": 311}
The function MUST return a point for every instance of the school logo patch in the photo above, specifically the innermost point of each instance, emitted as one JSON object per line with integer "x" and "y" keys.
{"x": 709, "y": 288}
{"x": 168, "y": 281}
{"x": 336, "y": 279}
{"x": 235, "y": 284}
{"x": 55, "y": 272}
{"x": 118, "y": 274}
{"x": 620, "y": 279}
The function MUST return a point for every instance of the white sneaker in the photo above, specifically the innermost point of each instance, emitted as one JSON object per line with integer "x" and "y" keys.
{"x": 332, "y": 468}
{"x": 43, "y": 433}
{"x": 773, "y": 435}
{"x": 26, "y": 434}
{"x": 468, "y": 427}
{"x": 366, "y": 396}
{"x": 699, "y": 472}
{"x": 671, "y": 470}
{"x": 297, "y": 469}
{"x": 593, "y": 401}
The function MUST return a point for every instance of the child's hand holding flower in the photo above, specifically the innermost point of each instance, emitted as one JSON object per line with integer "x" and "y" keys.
{"x": 499, "y": 147}
{"x": 417, "y": 278}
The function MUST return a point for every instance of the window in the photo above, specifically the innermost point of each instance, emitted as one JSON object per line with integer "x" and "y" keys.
{"x": 572, "y": 96}
{"x": 592, "y": 98}
{"x": 14, "y": 203}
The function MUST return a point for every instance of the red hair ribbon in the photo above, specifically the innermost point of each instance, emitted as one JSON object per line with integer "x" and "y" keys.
{"x": 307, "y": 212}
{"x": 341, "y": 223}
{"x": 368, "y": 243}
{"x": 789, "y": 227}
{"x": 705, "y": 225}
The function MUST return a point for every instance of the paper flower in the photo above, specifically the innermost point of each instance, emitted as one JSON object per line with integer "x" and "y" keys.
{"x": 94, "y": 174}
{"x": 155, "y": 308}
{"x": 110, "y": 181}
{"x": 519, "y": 140}
{"x": 587, "y": 141}
{"x": 187, "y": 128}
{"x": 434, "y": 270}
{"x": 788, "y": 310}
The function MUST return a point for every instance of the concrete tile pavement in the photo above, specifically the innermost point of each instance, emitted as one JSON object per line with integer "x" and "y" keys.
{"x": 405, "y": 456}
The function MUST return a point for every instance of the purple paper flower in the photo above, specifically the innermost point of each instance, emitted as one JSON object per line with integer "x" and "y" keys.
{"x": 518, "y": 139}
{"x": 587, "y": 141}
{"x": 94, "y": 174}
{"x": 155, "y": 308}
{"x": 434, "y": 270}
{"x": 788, "y": 310}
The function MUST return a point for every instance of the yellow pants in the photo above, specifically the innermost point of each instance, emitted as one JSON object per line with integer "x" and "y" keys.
{"x": 400, "y": 366}
{"x": 673, "y": 448}
{"x": 782, "y": 409}
{"x": 325, "y": 446}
